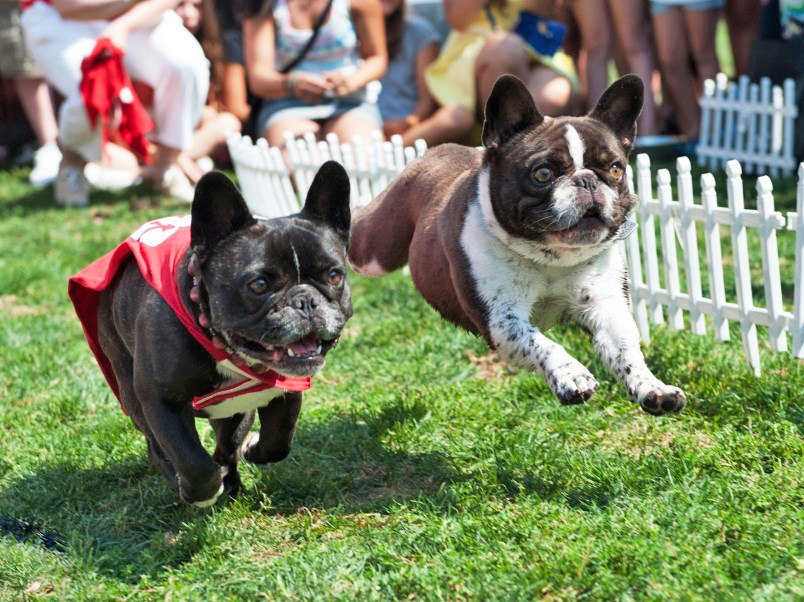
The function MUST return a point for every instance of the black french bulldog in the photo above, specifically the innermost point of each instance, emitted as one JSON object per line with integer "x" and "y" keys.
{"x": 218, "y": 318}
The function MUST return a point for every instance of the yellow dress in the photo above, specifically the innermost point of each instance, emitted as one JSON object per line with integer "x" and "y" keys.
{"x": 451, "y": 77}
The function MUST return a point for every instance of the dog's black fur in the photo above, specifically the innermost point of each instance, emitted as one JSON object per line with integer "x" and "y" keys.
{"x": 265, "y": 286}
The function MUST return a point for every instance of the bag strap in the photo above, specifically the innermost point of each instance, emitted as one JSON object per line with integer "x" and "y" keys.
{"x": 303, "y": 52}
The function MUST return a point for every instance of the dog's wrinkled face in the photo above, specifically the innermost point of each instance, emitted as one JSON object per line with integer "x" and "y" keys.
{"x": 560, "y": 184}
{"x": 277, "y": 290}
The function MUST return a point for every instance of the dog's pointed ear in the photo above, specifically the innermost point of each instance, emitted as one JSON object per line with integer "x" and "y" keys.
{"x": 218, "y": 210}
{"x": 509, "y": 109}
{"x": 619, "y": 109}
{"x": 328, "y": 198}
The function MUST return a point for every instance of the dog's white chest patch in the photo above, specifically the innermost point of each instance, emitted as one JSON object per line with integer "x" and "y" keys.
{"x": 576, "y": 147}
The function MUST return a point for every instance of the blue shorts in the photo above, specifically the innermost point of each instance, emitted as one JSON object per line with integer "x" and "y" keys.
{"x": 276, "y": 110}
{"x": 660, "y": 7}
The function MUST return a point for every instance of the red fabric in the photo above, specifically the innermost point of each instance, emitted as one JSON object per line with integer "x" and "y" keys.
{"x": 29, "y": 3}
{"x": 158, "y": 247}
{"x": 105, "y": 88}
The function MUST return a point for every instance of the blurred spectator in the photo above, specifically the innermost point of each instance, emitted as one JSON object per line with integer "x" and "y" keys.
{"x": 595, "y": 32}
{"x": 406, "y": 105}
{"x": 159, "y": 51}
{"x": 633, "y": 37}
{"x": 234, "y": 95}
{"x": 685, "y": 42}
{"x": 742, "y": 21}
{"x": 315, "y": 84}
{"x": 481, "y": 47}
{"x": 777, "y": 53}
{"x": 33, "y": 93}
{"x": 200, "y": 18}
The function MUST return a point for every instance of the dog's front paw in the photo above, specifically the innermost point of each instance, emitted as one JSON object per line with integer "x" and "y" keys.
{"x": 202, "y": 494}
{"x": 572, "y": 384}
{"x": 660, "y": 399}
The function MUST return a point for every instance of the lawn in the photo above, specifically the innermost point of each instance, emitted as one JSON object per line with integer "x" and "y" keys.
{"x": 422, "y": 467}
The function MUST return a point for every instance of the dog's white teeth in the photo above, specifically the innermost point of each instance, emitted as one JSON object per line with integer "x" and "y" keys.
{"x": 290, "y": 352}
{"x": 318, "y": 350}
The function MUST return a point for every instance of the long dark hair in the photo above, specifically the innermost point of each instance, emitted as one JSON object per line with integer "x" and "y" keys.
{"x": 395, "y": 30}
{"x": 209, "y": 36}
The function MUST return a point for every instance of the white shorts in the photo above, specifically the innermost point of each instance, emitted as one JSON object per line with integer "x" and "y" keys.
{"x": 164, "y": 55}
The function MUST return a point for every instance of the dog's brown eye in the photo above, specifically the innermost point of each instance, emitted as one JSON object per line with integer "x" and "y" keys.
{"x": 616, "y": 171}
{"x": 542, "y": 175}
{"x": 335, "y": 277}
{"x": 258, "y": 286}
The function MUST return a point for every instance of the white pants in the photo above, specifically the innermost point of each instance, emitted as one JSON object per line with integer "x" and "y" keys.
{"x": 165, "y": 56}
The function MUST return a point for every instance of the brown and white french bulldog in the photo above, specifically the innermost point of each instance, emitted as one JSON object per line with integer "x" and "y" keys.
{"x": 220, "y": 316}
{"x": 507, "y": 241}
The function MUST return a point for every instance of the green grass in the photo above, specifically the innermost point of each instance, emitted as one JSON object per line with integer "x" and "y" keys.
{"x": 422, "y": 469}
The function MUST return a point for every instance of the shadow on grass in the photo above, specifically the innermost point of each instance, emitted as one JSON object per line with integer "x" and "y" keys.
{"x": 123, "y": 520}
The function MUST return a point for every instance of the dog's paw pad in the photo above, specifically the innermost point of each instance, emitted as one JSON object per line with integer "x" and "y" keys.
{"x": 576, "y": 385}
{"x": 662, "y": 399}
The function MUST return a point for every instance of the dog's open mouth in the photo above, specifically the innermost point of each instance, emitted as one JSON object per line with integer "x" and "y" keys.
{"x": 307, "y": 351}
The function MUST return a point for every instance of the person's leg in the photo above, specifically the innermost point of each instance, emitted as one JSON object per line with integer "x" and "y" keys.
{"x": 632, "y": 23}
{"x": 58, "y": 46}
{"x": 505, "y": 53}
{"x": 169, "y": 59}
{"x": 742, "y": 20}
{"x": 211, "y": 134}
{"x": 448, "y": 124}
{"x": 36, "y": 101}
{"x": 677, "y": 77}
{"x": 274, "y": 132}
{"x": 34, "y": 95}
{"x": 593, "y": 21}
{"x": 351, "y": 125}
{"x": 701, "y": 26}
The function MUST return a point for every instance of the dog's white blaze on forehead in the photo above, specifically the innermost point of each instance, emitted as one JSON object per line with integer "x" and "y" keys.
{"x": 296, "y": 261}
{"x": 576, "y": 147}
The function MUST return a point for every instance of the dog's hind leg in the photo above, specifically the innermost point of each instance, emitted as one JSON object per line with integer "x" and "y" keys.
{"x": 277, "y": 427}
{"x": 229, "y": 436}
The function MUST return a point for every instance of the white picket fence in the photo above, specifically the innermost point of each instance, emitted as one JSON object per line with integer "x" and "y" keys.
{"x": 265, "y": 177}
{"x": 753, "y": 123}
{"x": 656, "y": 286}
{"x": 665, "y": 245}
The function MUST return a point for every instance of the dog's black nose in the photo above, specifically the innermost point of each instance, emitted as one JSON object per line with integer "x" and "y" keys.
{"x": 587, "y": 181}
{"x": 304, "y": 302}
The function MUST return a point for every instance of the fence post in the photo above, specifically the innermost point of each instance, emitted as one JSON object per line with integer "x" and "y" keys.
{"x": 770, "y": 263}
{"x": 667, "y": 231}
{"x": 690, "y": 238}
{"x": 714, "y": 257}
{"x": 798, "y": 302}
{"x": 742, "y": 267}
{"x": 707, "y": 138}
{"x": 635, "y": 271}
{"x": 645, "y": 190}
{"x": 790, "y": 113}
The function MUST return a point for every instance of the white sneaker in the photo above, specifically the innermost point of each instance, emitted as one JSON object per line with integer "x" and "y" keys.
{"x": 46, "y": 162}
{"x": 110, "y": 178}
{"x": 72, "y": 187}
{"x": 177, "y": 185}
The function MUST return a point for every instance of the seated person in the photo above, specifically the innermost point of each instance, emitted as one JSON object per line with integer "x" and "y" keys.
{"x": 314, "y": 84}
{"x": 481, "y": 48}
{"x": 159, "y": 51}
{"x": 406, "y": 105}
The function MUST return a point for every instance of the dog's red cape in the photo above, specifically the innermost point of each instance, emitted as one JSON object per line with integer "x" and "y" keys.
{"x": 158, "y": 247}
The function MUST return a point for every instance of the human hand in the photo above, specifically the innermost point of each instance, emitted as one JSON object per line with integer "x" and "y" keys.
{"x": 392, "y": 127}
{"x": 341, "y": 81}
{"x": 308, "y": 87}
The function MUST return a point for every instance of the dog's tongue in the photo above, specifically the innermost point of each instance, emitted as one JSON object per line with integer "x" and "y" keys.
{"x": 306, "y": 346}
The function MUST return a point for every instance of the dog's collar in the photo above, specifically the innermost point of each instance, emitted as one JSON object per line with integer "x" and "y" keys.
{"x": 198, "y": 295}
